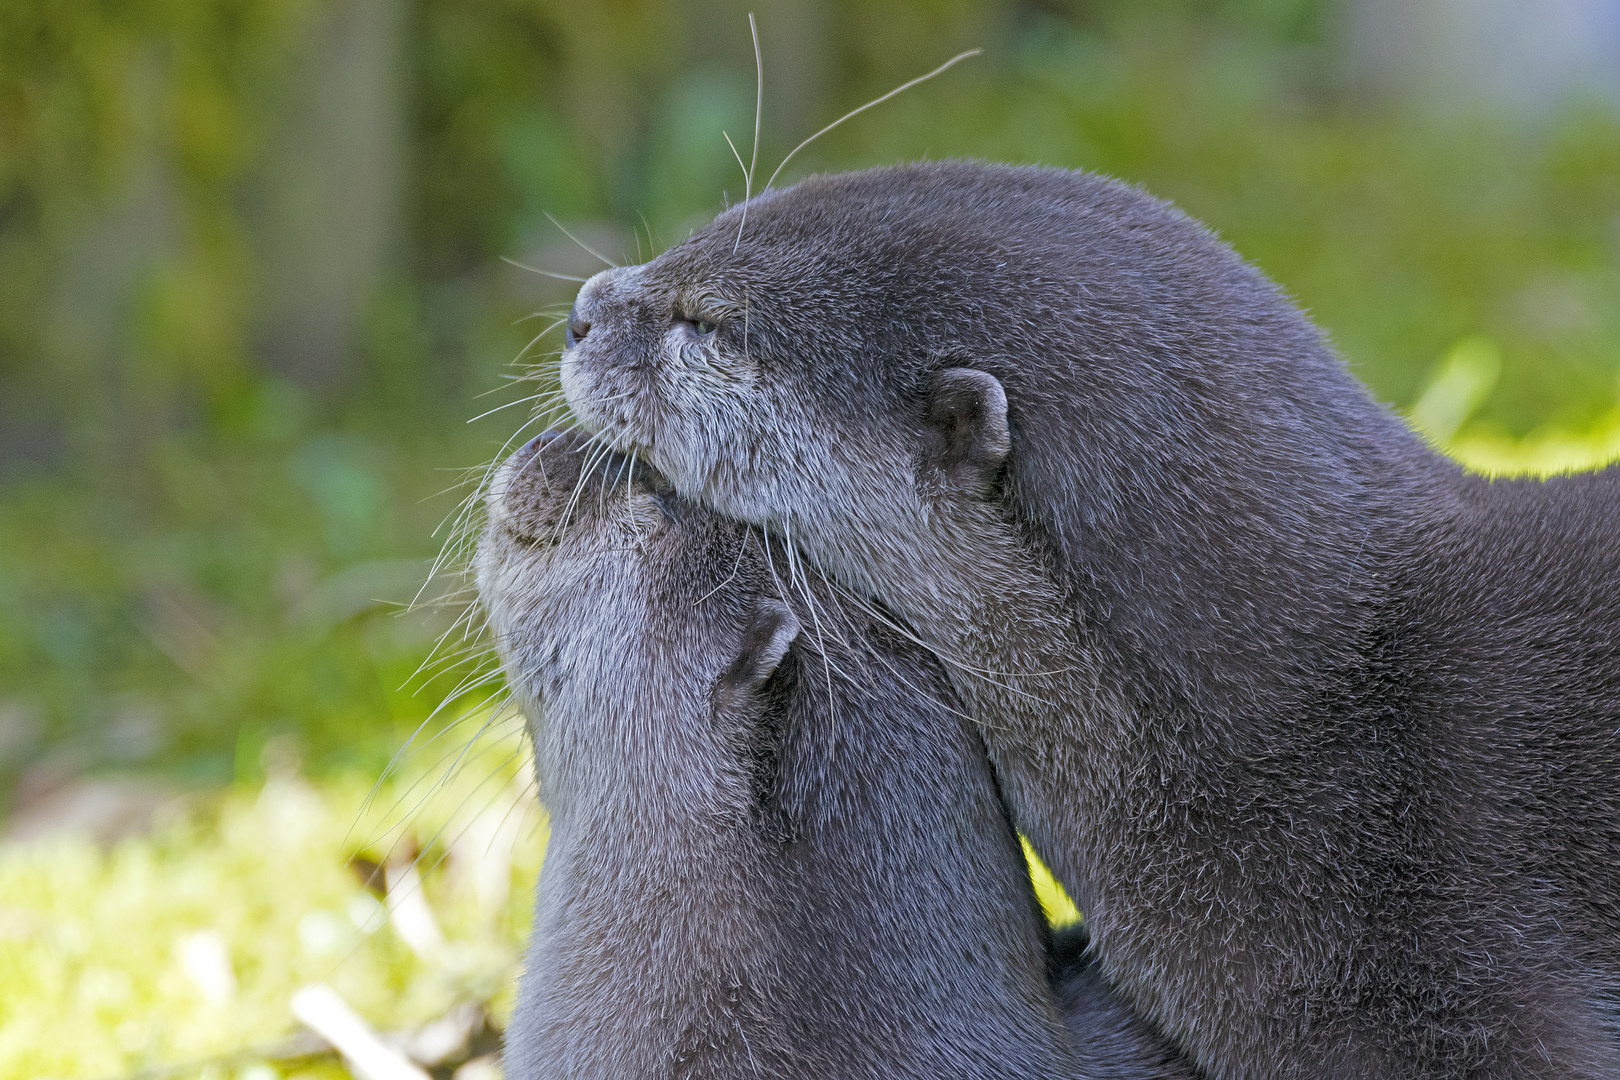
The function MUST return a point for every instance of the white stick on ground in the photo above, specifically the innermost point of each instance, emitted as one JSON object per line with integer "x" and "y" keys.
{"x": 321, "y": 1009}
{"x": 410, "y": 914}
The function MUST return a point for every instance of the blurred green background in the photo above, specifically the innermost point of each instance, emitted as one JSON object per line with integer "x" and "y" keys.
{"x": 253, "y": 289}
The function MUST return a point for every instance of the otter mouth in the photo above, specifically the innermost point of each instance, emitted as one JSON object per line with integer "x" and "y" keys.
{"x": 562, "y": 477}
{"x": 616, "y": 432}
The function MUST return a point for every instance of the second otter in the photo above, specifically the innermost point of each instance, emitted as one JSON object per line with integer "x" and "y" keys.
{"x": 776, "y": 847}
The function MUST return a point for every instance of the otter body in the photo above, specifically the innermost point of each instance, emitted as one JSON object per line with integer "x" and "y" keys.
{"x": 1322, "y": 733}
{"x": 777, "y": 849}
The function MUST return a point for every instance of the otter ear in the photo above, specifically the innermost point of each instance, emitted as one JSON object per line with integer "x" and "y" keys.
{"x": 770, "y": 632}
{"x": 967, "y": 420}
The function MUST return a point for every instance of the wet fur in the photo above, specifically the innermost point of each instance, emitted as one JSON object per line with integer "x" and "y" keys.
{"x": 1321, "y": 732}
{"x": 777, "y": 849}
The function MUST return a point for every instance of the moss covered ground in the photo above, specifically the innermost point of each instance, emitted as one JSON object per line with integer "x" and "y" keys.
{"x": 186, "y": 943}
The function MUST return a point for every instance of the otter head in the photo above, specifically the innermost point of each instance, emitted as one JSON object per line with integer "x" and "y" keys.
{"x": 616, "y": 605}
{"x": 812, "y": 368}
{"x": 924, "y": 374}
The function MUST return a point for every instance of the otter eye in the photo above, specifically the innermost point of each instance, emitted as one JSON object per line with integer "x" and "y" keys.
{"x": 700, "y": 327}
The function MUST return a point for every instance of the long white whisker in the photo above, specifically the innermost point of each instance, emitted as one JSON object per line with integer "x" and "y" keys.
{"x": 508, "y": 405}
{"x": 652, "y": 246}
{"x": 735, "y": 154}
{"x": 600, "y": 449}
{"x": 759, "y": 101}
{"x": 953, "y": 61}
{"x": 588, "y": 249}
{"x": 987, "y": 674}
{"x": 741, "y": 546}
{"x": 549, "y": 273}
{"x": 518, "y": 359}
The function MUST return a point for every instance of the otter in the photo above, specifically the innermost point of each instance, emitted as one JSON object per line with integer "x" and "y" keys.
{"x": 1321, "y": 732}
{"x": 777, "y": 848}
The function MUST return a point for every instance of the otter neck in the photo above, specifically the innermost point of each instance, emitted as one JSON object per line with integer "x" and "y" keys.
{"x": 1013, "y": 654}
{"x": 1050, "y": 678}
{"x": 650, "y": 868}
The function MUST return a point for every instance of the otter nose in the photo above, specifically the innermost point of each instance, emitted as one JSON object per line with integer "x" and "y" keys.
{"x": 588, "y": 305}
{"x": 530, "y": 448}
{"x": 576, "y": 329}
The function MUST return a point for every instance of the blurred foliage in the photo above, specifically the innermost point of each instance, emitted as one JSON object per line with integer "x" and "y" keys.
{"x": 100, "y": 972}
{"x": 196, "y": 517}
{"x": 1055, "y": 903}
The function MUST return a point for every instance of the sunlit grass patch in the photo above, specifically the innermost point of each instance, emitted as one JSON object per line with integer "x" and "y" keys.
{"x": 1546, "y": 451}
{"x": 1462, "y": 381}
{"x": 187, "y": 944}
{"x": 1059, "y": 909}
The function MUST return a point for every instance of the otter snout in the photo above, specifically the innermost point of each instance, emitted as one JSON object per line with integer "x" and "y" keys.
{"x": 530, "y": 487}
{"x": 562, "y": 476}
{"x": 576, "y": 328}
{"x": 586, "y": 311}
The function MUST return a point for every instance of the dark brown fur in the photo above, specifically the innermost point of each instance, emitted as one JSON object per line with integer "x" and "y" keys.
{"x": 1321, "y": 732}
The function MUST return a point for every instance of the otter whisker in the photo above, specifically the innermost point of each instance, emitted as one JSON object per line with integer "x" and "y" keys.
{"x": 738, "y": 1019}
{"x": 902, "y": 88}
{"x": 463, "y": 622}
{"x": 735, "y": 154}
{"x": 609, "y": 398}
{"x": 508, "y": 405}
{"x": 523, "y": 376}
{"x": 551, "y": 310}
{"x": 549, "y": 404}
{"x": 765, "y": 546}
{"x": 438, "y": 769}
{"x": 988, "y": 675}
{"x": 622, "y": 477}
{"x": 456, "y": 814}
{"x": 742, "y": 545}
{"x": 600, "y": 449}
{"x": 436, "y": 663}
{"x": 629, "y": 502}
{"x": 583, "y": 245}
{"x": 802, "y": 580}
{"x": 469, "y": 506}
{"x": 826, "y": 663}
{"x": 473, "y": 680}
{"x": 528, "y": 370}
{"x": 519, "y": 800}
{"x": 759, "y": 101}
{"x": 540, "y": 366}
{"x": 406, "y": 749}
{"x": 468, "y": 478}
{"x": 535, "y": 340}
{"x": 431, "y": 771}
{"x": 652, "y": 245}
{"x": 551, "y": 273}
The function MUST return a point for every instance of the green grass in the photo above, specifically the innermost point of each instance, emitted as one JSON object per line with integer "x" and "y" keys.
{"x": 94, "y": 980}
